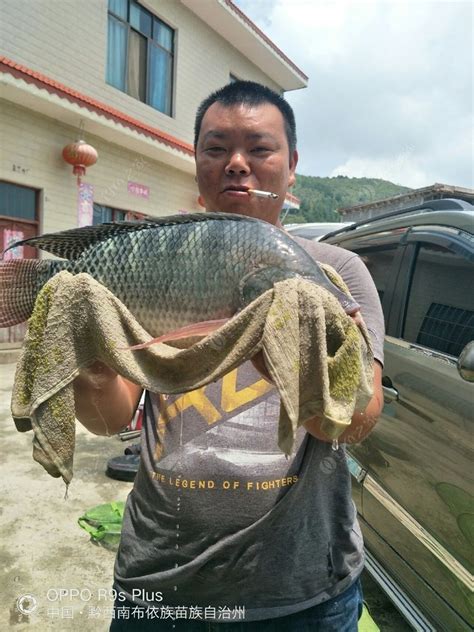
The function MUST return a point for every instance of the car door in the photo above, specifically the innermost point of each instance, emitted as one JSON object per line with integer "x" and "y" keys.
{"x": 417, "y": 500}
{"x": 382, "y": 254}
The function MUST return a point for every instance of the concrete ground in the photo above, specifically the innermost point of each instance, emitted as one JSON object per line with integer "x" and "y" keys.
{"x": 48, "y": 562}
{"x": 43, "y": 549}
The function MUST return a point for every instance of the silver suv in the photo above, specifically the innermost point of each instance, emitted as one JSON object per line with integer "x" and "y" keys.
{"x": 413, "y": 483}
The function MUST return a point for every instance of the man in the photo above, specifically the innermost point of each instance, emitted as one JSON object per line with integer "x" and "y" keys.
{"x": 219, "y": 521}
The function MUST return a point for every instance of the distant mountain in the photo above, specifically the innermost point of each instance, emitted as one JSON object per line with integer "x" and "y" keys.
{"x": 320, "y": 197}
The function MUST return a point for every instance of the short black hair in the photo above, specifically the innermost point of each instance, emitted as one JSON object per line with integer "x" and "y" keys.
{"x": 252, "y": 94}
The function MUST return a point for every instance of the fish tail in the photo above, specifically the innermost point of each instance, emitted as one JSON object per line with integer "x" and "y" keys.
{"x": 18, "y": 283}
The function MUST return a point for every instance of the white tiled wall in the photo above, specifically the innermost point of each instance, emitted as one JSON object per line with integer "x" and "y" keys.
{"x": 31, "y": 156}
{"x": 67, "y": 41}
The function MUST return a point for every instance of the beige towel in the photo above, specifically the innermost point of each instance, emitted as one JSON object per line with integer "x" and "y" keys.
{"x": 319, "y": 360}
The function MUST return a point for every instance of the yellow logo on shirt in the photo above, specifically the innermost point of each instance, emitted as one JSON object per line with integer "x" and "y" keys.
{"x": 231, "y": 399}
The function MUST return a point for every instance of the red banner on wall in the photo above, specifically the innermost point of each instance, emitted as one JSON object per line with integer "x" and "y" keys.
{"x": 9, "y": 238}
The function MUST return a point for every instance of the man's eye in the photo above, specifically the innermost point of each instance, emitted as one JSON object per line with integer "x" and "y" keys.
{"x": 215, "y": 149}
{"x": 261, "y": 150}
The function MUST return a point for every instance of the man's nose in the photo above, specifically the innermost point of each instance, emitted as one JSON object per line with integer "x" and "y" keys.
{"x": 237, "y": 164}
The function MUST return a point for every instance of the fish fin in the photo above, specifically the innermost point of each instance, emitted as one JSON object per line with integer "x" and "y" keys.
{"x": 70, "y": 244}
{"x": 203, "y": 328}
{"x": 18, "y": 279}
{"x": 186, "y": 218}
{"x": 348, "y": 303}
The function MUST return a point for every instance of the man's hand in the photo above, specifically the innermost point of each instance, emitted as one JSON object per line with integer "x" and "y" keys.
{"x": 357, "y": 318}
{"x": 105, "y": 401}
{"x": 362, "y": 422}
{"x": 97, "y": 375}
{"x": 259, "y": 363}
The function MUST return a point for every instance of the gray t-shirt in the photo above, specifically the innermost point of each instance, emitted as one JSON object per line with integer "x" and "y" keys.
{"x": 219, "y": 518}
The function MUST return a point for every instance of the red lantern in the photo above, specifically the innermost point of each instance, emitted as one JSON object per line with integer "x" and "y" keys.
{"x": 80, "y": 155}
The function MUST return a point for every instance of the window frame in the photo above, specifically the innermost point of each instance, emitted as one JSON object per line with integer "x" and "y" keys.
{"x": 36, "y": 220}
{"x": 378, "y": 241}
{"x": 396, "y": 297}
{"x": 150, "y": 41}
{"x": 440, "y": 236}
{"x": 138, "y": 215}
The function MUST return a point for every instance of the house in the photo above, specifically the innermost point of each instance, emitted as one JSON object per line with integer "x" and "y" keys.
{"x": 125, "y": 77}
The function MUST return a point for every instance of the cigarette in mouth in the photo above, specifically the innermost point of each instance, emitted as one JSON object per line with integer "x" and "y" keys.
{"x": 263, "y": 194}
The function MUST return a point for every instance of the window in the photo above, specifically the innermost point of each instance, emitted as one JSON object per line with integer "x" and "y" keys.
{"x": 17, "y": 201}
{"x": 104, "y": 214}
{"x": 440, "y": 311}
{"x": 140, "y": 53}
{"x": 379, "y": 263}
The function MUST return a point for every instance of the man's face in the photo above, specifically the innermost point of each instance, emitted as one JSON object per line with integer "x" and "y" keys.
{"x": 239, "y": 148}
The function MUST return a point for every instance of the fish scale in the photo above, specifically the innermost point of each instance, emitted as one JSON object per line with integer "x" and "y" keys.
{"x": 171, "y": 271}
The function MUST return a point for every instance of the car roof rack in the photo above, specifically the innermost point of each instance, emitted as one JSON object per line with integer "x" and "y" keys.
{"x": 443, "y": 204}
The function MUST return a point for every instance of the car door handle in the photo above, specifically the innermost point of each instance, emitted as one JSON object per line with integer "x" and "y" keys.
{"x": 390, "y": 394}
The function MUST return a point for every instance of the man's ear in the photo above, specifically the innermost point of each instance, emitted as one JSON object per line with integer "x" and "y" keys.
{"x": 293, "y": 163}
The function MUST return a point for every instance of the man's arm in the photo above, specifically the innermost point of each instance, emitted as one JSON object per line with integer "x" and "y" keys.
{"x": 105, "y": 401}
{"x": 362, "y": 422}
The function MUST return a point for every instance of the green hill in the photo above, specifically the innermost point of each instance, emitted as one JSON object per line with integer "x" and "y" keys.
{"x": 320, "y": 197}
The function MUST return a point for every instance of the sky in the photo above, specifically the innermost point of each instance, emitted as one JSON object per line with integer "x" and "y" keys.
{"x": 390, "y": 92}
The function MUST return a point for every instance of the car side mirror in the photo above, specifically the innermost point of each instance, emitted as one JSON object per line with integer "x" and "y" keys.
{"x": 466, "y": 362}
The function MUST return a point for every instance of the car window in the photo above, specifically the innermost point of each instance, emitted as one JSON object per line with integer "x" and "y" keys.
{"x": 440, "y": 310}
{"x": 379, "y": 262}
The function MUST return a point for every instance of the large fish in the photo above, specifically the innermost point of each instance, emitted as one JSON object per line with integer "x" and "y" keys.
{"x": 171, "y": 272}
